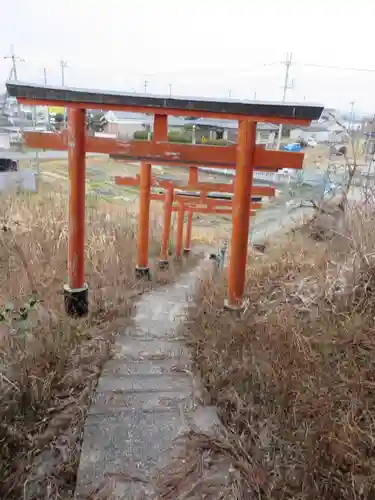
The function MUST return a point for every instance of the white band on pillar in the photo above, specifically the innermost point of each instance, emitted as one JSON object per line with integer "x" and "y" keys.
{"x": 76, "y": 290}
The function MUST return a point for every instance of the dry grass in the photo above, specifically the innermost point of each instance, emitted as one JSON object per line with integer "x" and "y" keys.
{"x": 294, "y": 376}
{"x": 48, "y": 362}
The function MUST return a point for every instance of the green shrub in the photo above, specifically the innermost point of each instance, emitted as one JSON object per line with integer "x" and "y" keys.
{"x": 174, "y": 133}
{"x": 141, "y": 135}
{"x": 179, "y": 138}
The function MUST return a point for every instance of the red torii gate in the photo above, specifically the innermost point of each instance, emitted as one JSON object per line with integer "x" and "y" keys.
{"x": 204, "y": 210}
{"x": 244, "y": 157}
{"x": 190, "y": 205}
{"x": 170, "y": 194}
{"x": 191, "y": 209}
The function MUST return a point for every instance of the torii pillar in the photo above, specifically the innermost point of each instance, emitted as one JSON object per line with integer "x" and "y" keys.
{"x": 180, "y": 229}
{"x": 168, "y": 203}
{"x": 193, "y": 179}
{"x": 189, "y": 228}
{"x": 241, "y": 213}
{"x": 76, "y": 290}
{"x": 142, "y": 269}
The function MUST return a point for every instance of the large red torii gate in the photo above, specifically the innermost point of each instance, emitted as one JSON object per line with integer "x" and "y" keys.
{"x": 244, "y": 157}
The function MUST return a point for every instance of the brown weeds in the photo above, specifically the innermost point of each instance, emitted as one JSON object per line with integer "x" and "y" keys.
{"x": 49, "y": 363}
{"x": 294, "y": 377}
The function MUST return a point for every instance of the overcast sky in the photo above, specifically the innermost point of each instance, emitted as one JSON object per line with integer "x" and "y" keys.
{"x": 199, "y": 47}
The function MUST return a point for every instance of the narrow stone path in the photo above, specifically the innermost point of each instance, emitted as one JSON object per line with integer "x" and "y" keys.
{"x": 144, "y": 398}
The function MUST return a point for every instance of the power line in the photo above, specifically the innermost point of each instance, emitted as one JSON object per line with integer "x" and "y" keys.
{"x": 209, "y": 71}
{"x": 342, "y": 68}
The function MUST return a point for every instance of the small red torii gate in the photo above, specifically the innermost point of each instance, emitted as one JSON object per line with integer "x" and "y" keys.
{"x": 172, "y": 194}
{"x": 190, "y": 205}
{"x": 244, "y": 157}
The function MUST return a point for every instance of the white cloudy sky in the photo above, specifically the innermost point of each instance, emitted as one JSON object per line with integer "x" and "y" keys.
{"x": 200, "y": 47}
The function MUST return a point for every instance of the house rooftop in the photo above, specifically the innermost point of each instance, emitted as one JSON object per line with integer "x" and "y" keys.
{"x": 227, "y": 124}
{"x": 182, "y": 105}
{"x": 4, "y": 121}
{"x": 315, "y": 127}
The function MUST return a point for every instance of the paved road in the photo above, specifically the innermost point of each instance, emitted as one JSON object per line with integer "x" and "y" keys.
{"x": 274, "y": 221}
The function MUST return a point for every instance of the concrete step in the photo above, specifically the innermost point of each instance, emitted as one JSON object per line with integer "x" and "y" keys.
{"x": 116, "y": 367}
{"x": 128, "y": 445}
{"x": 138, "y": 349}
{"x": 174, "y": 382}
{"x": 110, "y": 402}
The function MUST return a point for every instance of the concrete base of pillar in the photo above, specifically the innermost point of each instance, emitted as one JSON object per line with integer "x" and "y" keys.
{"x": 186, "y": 251}
{"x": 163, "y": 265}
{"x": 142, "y": 272}
{"x": 76, "y": 301}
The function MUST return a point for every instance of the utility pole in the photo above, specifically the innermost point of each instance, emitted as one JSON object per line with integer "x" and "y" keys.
{"x": 6, "y": 93}
{"x": 15, "y": 76}
{"x": 288, "y": 63}
{"x": 14, "y": 59}
{"x": 351, "y": 116}
{"x": 63, "y": 65}
{"x": 145, "y": 85}
{"x": 45, "y": 83}
{"x": 170, "y": 89}
{"x": 37, "y": 165}
{"x": 230, "y": 93}
{"x": 255, "y": 95}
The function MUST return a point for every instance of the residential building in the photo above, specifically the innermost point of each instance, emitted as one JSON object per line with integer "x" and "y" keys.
{"x": 124, "y": 125}
{"x": 368, "y": 129}
{"x": 323, "y": 131}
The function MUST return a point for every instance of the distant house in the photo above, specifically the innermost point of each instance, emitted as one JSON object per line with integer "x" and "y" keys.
{"x": 368, "y": 129}
{"x": 322, "y": 131}
{"x": 228, "y": 130}
{"x": 124, "y": 125}
{"x": 4, "y": 121}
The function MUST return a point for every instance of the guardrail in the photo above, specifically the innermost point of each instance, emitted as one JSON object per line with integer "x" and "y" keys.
{"x": 220, "y": 257}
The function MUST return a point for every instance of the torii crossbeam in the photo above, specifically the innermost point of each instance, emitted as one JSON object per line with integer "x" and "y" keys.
{"x": 245, "y": 157}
